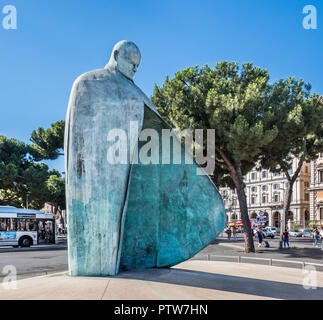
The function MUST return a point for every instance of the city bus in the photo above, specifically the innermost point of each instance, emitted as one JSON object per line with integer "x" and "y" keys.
{"x": 25, "y": 228}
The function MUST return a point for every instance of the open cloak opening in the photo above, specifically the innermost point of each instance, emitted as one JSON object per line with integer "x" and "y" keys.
{"x": 170, "y": 212}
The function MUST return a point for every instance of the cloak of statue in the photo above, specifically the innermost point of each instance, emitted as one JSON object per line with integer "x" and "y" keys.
{"x": 127, "y": 216}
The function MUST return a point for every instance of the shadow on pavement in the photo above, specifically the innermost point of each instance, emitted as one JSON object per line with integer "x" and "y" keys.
{"x": 243, "y": 285}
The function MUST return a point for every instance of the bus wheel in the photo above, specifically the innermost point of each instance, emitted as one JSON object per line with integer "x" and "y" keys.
{"x": 25, "y": 242}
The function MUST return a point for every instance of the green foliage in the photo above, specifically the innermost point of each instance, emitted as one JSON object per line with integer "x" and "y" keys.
{"x": 56, "y": 190}
{"x": 233, "y": 102}
{"x": 20, "y": 175}
{"x": 299, "y": 119}
{"x": 47, "y": 144}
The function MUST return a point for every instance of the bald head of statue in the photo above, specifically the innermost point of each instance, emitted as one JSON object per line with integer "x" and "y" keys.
{"x": 125, "y": 58}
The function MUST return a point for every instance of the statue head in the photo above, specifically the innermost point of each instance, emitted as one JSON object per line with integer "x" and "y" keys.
{"x": 125, "y": 58}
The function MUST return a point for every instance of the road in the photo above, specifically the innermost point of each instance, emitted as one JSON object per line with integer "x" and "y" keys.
{"x": 37, "y": 260}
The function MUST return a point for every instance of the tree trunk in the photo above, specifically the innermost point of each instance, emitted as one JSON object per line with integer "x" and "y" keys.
{"x": 58, "y": 211}
{"x": 289, "y": 192}
{"x": 236, "y": 175}
{"x": 61, "y": 218}
{"x": 286, "y": 206}
{"x": 248, "y": 236}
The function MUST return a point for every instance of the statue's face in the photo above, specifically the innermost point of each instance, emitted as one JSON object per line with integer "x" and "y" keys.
{"x": 128, "y": 61}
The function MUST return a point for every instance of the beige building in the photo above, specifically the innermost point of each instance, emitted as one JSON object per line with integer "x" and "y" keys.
{"x": 265, "y": 193}
{"x": 316, "y": 190}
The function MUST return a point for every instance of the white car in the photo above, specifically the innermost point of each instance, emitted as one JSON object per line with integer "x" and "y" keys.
{"x": 271, "y": 229}
{"x": 268, "y": 234}
{"x": 295, "y": 233}
{"x": 307, "y": 233}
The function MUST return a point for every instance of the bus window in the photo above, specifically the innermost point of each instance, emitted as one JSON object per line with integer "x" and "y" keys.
{"x": 31, "y": 225}
{"x": 21, "y": 224}
{"x": 13, "y": 224}
{"x": 4, "y": 224}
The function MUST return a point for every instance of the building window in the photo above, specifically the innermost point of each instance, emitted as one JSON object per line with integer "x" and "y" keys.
{"x": 321, "y": 155}
{"x": 276, "y": 174}
{"x": 253, "y": 200}
{"x": 234, "y": 201}
{"x": 253, "y": 189}
{"x": 264, "y": 188}
{"x": 264, "y": 174}
{"x": 276, "y": 186}
{"x": 253, "y": 175}
{"x": 307, "y": 197}
{"x": 321, "y": 213}
{"x": 264, "y": 198}
{"x": 276, "y": 198}
{"x": 320, "y": 176}
{"x": 306, "y": 169}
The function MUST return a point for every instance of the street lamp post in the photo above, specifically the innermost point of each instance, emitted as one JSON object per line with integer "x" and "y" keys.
{"x": 27, "y": 196}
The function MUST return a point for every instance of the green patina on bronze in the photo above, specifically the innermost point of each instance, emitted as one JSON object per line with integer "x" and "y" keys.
{"x": 172, "y": 213}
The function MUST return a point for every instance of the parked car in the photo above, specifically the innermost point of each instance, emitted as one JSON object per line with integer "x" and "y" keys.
{"x": 271, "y": 229}
{"x": 307, "y": 233}
{"x": 295, "y": 233}
{"x": 277, "y": 231}
{"x": 268, "y": 234}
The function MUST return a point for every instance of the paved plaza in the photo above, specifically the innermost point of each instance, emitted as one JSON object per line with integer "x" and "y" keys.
{"x": 205, "y": 280}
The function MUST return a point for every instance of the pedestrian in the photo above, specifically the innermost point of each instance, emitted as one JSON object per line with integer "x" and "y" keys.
{"x": 235, "y": 234}
{"x": 286, "y": 238}
{"x": 316, "y": 236}
{"x": 229, "y": 233}
{"x": 259, "y": 236}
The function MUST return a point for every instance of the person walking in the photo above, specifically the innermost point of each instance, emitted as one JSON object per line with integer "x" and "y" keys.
{"x": 235, "y": 233}
{"x": 316, "y": 236}
{"x": 229, "y": 233}
{"x": 259, "y": 236}
{"x": 286, "y": 238}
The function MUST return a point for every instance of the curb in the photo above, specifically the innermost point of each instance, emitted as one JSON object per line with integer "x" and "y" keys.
{"x": 267, "y": 261}
{"x": 36, "y": 274}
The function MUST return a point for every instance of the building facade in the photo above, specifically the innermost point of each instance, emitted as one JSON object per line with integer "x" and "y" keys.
{"x": 316, "y": 190}
{"x": 265, "y": 193}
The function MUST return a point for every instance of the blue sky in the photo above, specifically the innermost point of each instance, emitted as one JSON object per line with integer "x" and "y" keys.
{"x": 57, "y": 40}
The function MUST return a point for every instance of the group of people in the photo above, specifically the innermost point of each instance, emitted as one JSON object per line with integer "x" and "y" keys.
{"x": 259, "y": 235}
{"x": 233, "y": 232}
